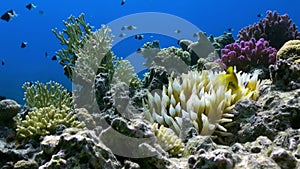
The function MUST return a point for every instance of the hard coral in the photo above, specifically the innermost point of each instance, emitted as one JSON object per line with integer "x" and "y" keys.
{"x": 246, "y": 55}
{"x": 203, "y": 99}
{"x": 76, "y": 32}
{"x": 40, "y": 95}
{"x": 92, "y": 54}
{"x": 275, "y": 28}
{"x": 290, "y": 51}
{"x": 45, "y": 121}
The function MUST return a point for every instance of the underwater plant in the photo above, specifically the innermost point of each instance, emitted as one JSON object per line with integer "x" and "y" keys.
{"x": 38, "y": 95}
{"x": 203, "y": 99}
{"x": 246, "y": 55}
{"x": 74, "y": 36}
{"x": 47, "y": 120}
{"x": 275, "y": 28}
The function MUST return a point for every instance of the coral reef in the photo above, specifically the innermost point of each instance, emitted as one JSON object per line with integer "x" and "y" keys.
{"x": 275, "y": 28}
{"x": 75, "y": 149}
{"x": 91, "y": 55}
{"x": 168, "y": 140}
{"x": 274, "y": 111}
{"x": 45, "y": 121}
{"x": 76, "y": 32}
{"x": 203, "y": 99}
{"x": 40, "y": 95}
{"x": 246, "y": 55}
{"x": 221, "y": 41}
{"x": 172, "y": 59}
{"x": 155, "y": 78}
{"x": 8, "y": 109}
{"x": 124, "y": 72}
{"x": 200, "y": 49}
{"x": 290, "y": 51}
{"x": 286, "y": 73}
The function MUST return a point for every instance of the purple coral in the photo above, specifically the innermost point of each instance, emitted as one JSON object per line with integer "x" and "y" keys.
{"x": 277, "y": 29}
{"x": 248, "y": 54}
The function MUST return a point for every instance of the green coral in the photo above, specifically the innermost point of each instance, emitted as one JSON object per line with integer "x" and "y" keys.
{"x": 40, "y": 95}
{"x": 45, "y": 121}
{"x": 92, "y": 54}
{"x": 74, "y": 36}
{"x": 168, "y": 140}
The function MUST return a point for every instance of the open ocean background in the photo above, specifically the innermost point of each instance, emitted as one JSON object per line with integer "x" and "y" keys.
{"x": 31, "y": 64}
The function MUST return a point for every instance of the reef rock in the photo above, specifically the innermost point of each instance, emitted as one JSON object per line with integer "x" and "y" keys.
{"x": 8, "y": 109}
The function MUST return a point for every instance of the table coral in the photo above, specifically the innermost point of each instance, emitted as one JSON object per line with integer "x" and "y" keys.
{"x": 40, "y": 95}
{"x": 246, "y": 55}
{"x": 275, "y": 28}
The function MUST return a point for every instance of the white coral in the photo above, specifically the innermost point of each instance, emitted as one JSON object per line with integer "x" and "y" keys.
{"x": 92, "y": 53}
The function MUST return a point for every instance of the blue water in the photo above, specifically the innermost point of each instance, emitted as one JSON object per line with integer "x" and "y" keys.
{"x": 30, "y": 64}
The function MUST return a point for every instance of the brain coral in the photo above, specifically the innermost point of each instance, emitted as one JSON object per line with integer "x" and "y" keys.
{"x": 246, "y": 55}
{"x": 290, "y": 51}
{"x": 202, "y": 98}
{"x": 275, "y": 28}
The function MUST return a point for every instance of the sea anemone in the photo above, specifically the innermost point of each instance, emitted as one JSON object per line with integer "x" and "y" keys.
{"x": 201, "y": 98}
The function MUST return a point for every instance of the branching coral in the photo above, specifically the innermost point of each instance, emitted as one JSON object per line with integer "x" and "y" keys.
{"x": 168, "y": 140}
{"x": 124, "y": 72}
{"x": 76, "y": 32}
{"x": 45, "y": 121}
{"x": 246, "y": 55}
{"x": 275, "y": 28}
{"x": 92, "y": 54}
{"x": 43, "y": 95}
{"x": 202, "y": 98}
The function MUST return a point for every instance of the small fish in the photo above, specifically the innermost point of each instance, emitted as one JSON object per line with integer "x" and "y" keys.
{"x": 259, "y": 15}
{"x": 195, "y": 35}
{"x": 41, "y": 12}
{"x": 139, "y": 37}
{"x": 122, "y": 35}
{"x": 30, "y": 6}
{"x": 123, "y": 28}
{"x": 23, "y": 44}
{"x": 230, "y": 29}
{"x": 54, "y": 57}
{"x": 177, "y": 31}
{"x": 46, "y": 54}
{"x": 139, "y": 50}
{"x": 8, "y": 15}
{"x": 131, "y": 27}
{"x": 2, "y": 63}
{"x": 123, "y": 2}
